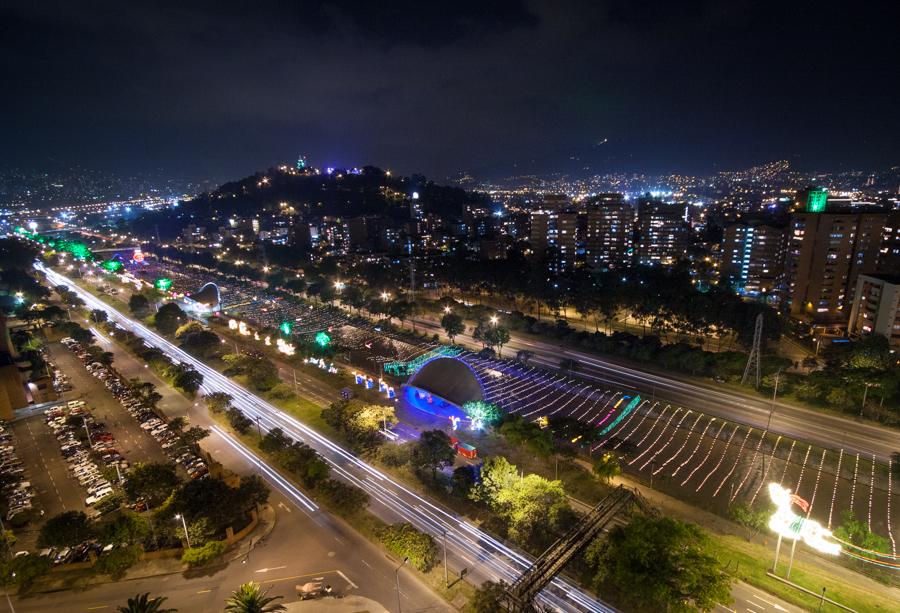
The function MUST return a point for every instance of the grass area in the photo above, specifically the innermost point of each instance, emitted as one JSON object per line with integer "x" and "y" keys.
{"x": 749, "y": 562}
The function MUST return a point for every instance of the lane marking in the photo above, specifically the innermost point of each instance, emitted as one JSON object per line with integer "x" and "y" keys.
{"x": 265, "y": 570}
{"x": 204, "y": 591}
{"x": 347, "y": 579}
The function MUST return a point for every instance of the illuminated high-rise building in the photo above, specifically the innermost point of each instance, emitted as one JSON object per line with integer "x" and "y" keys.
{"x": 825, "y": 255}
{"x": 876, "y": 307}
{"x": 753, "y": 256}
{"x": 663, "y": 232}
{"x": 609, "y": 230}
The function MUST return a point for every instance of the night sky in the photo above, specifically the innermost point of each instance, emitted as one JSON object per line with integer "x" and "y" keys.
{"x": 219, "y": 89}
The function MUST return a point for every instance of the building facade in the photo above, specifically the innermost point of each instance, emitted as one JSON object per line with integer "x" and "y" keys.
{"x": 753, "y": 256}
{"x": 609, "y": 231}
{"x": 875, "y": 307}
{"x": 662, "y": 233}
{"x": 826, "y": 253}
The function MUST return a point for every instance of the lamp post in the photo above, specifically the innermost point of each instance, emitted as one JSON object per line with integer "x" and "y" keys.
{"x": 397, "y": 574}
{"x": 865, "y": 393}
{"x": 184, "y": 525}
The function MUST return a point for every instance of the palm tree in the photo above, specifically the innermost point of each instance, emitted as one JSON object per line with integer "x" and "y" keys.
{"x": 142, "y": 603}
{"x": 251, "y": 598}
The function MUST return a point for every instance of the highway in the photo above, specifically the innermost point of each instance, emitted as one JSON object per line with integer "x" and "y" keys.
{"x": 818, "y": 427}
{"x": 484, "y": 556}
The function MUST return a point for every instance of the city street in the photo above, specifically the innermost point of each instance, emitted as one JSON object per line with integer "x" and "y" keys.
{"x": 330, "y": 548}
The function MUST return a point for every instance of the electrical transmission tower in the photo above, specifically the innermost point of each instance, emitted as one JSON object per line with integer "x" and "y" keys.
{"x": 755, "y": 353}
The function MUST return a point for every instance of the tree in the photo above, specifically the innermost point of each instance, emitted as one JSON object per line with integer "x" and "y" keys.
{"x": 201, "y": 342}
{"x": 857, "y": 532}
{"x": 128, "y": 528}
{"x": 198, "y": 556}
{"x": 495, "y": 336}
{"x": 185, "y": 377}
{"x": 344, "y": 499}
{"x": 667, "y": 558}
{"x": 153, "y": 482}
{"x": 261, "y": 373}
{"x": 754, "y": 520}
{"x": 116, "y": 561}
{"x": 405, "y": 541}
{"x": 240, "y": 422}
{"x": 489, "y": 597}
{"x": 139, "y": 305}
{"x": 178, "y": 424}
{"x": 606, "y": 466}
{"x": 67, "y": 529}
{"x": 534, "y": 509}
{"x": 251, "y": 598}
{"x": 23, "y": 571}
{"x": 217, "y": 401}
{"x": 373, "y": 416}
{"x": 432, "y": 452}
{"x": 169, "y": 317}
{"x": 193, "y": 435}
{"x": 142, "y": 603}
{"x": 497, "y": 474}
{"x": 252, "y": 492}
{"x": 453, "y": 325}
{"x": 275, "y": 440}
{"x": 98, "y": 316}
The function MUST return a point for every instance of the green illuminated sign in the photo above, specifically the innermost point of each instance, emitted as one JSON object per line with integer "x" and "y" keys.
{"x": 163, "y": 284}
{"x": 286, "y": 328}
{"x": 322, "y": 339}
{"x": 815, "y": 200}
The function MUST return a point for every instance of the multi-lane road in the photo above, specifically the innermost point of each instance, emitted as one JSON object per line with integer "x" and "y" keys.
{"x": 483, "y": 556}
{"x": 817, "y": 427}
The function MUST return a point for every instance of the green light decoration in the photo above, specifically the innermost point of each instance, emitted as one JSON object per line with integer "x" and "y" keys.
{"x": 163, "y": 284}
{"x": 484, "y": 413}
{"x": 286, "y": 327}
{"x": 405, "y": 369}
{"x": 112, "y": 265}
{"x": 322, "y": 339}
{"x": 816, "y": 200}
{"x": 20, "y": 230}
{"x": 628, "y": 409}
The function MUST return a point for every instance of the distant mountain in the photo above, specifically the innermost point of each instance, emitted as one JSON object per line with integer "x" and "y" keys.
{"x": 336, "y": 192}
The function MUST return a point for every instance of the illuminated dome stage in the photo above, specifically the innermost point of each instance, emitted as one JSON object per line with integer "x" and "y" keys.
{"x": 207, "y": 299}
{"x": 441, "y": 386}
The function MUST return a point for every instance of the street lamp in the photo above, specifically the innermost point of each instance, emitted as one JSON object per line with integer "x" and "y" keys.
{"x": 385, "y": 296}
{"x": 447, "y": 310}
{"x": 397, "y": 573}
{"x": 184, "y": 525}
{"x": 338, "y": 285}
{"x": 494, "y": 320}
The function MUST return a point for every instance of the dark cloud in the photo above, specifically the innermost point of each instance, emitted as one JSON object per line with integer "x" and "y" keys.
{"x": 222, "y": 88}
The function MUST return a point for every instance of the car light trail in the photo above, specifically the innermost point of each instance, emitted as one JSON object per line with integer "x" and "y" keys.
{"x": 499, "y": 560}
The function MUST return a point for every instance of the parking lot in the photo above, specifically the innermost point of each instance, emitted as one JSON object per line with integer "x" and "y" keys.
{"x": 135, "y": 444}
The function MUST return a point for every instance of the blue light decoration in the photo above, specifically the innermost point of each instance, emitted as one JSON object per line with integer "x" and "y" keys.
{"x": 454, "y": 422}
{"x": 628, "y": 409}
